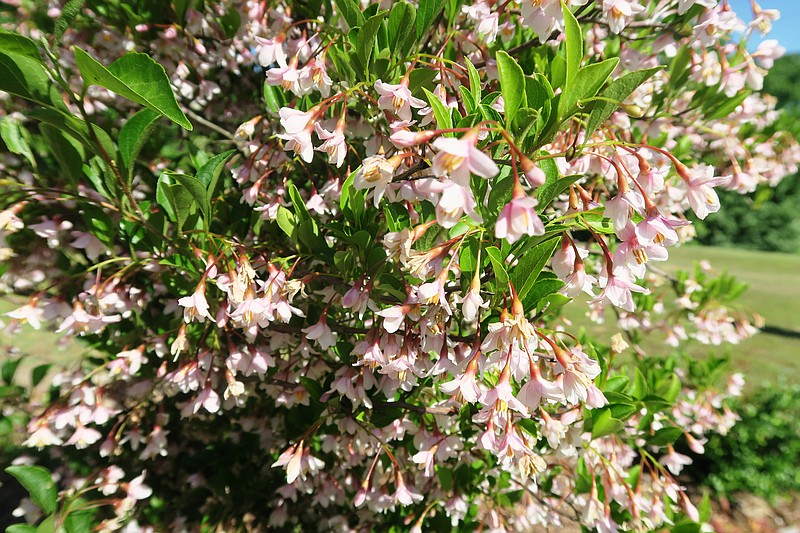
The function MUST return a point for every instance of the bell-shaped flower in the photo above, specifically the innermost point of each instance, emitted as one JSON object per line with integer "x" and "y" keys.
{"x": 457, "y": 158}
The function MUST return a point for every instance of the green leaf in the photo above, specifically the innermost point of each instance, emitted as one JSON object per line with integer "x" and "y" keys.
{"x": 617, "y": 91}
{"x": 177, "y": 201}
{"x": 474, "y": 81}
{"x": 210, "y": 172}
{"x": 574, "y": 45}
{"x": 589, "y": 80}
{"x": 39, "y": 372}
{"x": 8, "y": 369}
{"x": 402, "y": 34}
{"x": 134, "y": 134}
{"x": 136, "y": 77}
{"x": 274, "y": 98}
{"x": 638, "y": 387}
{"x": 365, "y": 39}
{"x": 287, "y": 222}
{"x": 99, "y": 224}
{"x": 498, "y": 266}
{"x": 350, "y": 10}
{"x": 195, "y": 188}
{"x": 20, "y": 528}
{"x": 39, "y": 484}
{"x": 75, "y": 128}
{"x": 427, "y": 11}
{"x": 25, "y": 77}
{"x": 542, "y": 288}
{"x": 14, "y": 43}
{"x": 604, "y": 424}
{"x": 15, "y": 138}
{"x": 664, "y": 436}
{"x": 443, "y": 118}
{"x": 531, "y": 264}
{"x": 728, "y": 106}
{"x": 512, "y": 84}
{"x": 67, "y": 151}
{"x": 69, "y": 13}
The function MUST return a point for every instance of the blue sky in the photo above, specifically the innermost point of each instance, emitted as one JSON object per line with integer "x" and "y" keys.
{"x": 786, "y": 30}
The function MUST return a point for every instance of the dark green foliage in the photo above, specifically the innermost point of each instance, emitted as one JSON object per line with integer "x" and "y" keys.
{"x": 761, "y": 453}
{"x": 766, "y": 220}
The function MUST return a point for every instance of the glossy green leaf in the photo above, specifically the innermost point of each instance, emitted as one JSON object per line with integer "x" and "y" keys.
{"x": 39, "y": 484}
{"x": 664, "y": 436}
{"x": 530, "y": 264}
{"x": 136, "y": 77}
{"x": 402, "y": 28}
{"x": 350, "y": 10}
{"x": 573, "y": 42}
{"x": 210, "y": 172}
{"x": 474, "y": 81}
{"x": 286, "y": 221}
{"x": 16, "y": 138}
{"x": 589, "y": 80}
{"x": 512, "y": 84}
{"x": 443, "y": 118}
{"x": 195, "y": 188}
{"x": 14, "y": 43}
{"x": 617, "y": 91}
{"x": 134, "y": 134}
{"x": 25, "y": 77}
{"x": 427, "y": 12}
{"x": 604, "y": 424}
{"x": 68, "y": 152}
{"x": 498, "y": 265}
{"x": 365, "y": 39}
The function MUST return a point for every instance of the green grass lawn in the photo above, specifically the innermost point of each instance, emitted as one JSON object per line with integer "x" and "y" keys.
{"x": 774, "y": 293}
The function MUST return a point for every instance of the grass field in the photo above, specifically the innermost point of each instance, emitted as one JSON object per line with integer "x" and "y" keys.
{"x": 774, "y": 293}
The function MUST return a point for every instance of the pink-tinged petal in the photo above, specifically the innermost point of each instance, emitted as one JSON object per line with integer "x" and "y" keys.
{"x": 453, "y": 146}
{"x": 481, "y": 164}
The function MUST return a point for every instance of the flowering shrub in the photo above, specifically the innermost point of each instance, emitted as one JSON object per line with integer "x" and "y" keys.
{"x": 319, "y": 250}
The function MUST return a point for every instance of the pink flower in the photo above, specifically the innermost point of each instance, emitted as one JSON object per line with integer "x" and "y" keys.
{"x": 29, "y": 313}
{"x": 299, "y": 143}
{"x": 617, "y": 290}
{"x": 376, "y": 173}
{"x": 458, "y": 158}
{"x": 334, "y": 143}
{"x": 471, "y": 304}
{"x": 295, "y": 121}
{"x": 288, "y": 77}
{"x": 620, "y": 208}
{"x": 537, "y": 389}
{"x": 404, "y": 495}
{"x": 195, "y": 306}
{"x": 465, "y": 385}
{"x": 270, "y": 50}
{"x": 394, "y": 316}
{"x": 397, "y": 99}
{"x": 700, "y": 190}
{"x": 620, "y": 13}
{"x": 518, "y": 218}
{"x": 675, "y": 461}
{"x": 321, "y": 333}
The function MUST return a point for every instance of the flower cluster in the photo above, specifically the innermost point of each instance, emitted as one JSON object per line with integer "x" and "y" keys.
{"x": 336, "y": 302}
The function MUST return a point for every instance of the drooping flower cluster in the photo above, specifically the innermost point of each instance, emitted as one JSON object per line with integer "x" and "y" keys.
{"x": 351, "y": 318}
